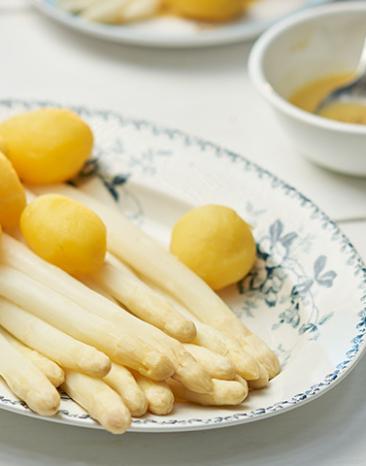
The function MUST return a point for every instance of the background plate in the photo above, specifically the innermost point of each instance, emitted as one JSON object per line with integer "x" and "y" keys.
{"x": 305, "y": 297}
{"x": 174, "y": 32}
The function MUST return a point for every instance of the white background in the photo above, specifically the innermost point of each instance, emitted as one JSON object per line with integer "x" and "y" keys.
{"x": 205, "y": 92}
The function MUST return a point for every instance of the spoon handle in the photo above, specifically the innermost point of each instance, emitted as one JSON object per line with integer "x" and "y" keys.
{"x": 361, "y": 68}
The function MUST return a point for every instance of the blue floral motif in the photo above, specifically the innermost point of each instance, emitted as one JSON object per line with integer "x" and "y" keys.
{"x": 320, "y": 278}
{"x": 277, "y": 266}
{"x": 115, "y": 184}
{"x": 145, "y": 161}
{"x": 94, "y": 168}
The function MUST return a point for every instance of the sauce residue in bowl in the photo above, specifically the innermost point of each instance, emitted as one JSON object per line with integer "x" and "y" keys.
{"x": 309, "y": 96}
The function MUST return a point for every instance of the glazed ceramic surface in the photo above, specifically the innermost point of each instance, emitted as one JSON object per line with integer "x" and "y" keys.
{"x": 301, "y": 49}
{"x": 168, "y": 31}
{"x": 305, "y": 296}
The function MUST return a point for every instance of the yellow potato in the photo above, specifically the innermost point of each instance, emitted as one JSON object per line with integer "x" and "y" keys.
{"x": 2, "y": 145}
{"x": 46, "y": 146}
{"x": 215, "y": 243}
{"x": 65, "y": 233}
{"x": 208, "y": 10}
{"x": 12, "y": 195}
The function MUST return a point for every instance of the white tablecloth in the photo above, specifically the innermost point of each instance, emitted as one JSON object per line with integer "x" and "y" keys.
{"x": 205, "y": 92}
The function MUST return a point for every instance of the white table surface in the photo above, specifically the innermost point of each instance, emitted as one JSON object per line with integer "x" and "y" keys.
{"x": 205, "y": 92}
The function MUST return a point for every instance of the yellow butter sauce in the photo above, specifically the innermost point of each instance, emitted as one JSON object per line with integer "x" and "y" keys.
{"x": 309, "y": 96}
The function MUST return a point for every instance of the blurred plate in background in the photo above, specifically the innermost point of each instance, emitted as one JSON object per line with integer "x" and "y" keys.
{"x": 168, "y": 31}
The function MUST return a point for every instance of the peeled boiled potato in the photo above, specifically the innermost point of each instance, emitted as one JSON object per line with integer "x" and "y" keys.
{"x": 65, "y": 233}
{"x": 208, "y": 10}
{"x": 215, "y": 243}
{"x": 12, "y": 195}
{"x": 46, "y": 146}
{"x": 2, "y": 145}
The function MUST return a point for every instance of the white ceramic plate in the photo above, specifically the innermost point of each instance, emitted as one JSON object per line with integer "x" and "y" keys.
{"x": 174, "y": 32}
{"x": 306, "y": 296}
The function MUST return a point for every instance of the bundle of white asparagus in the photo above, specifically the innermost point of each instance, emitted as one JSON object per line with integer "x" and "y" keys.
{"x": 152, "y": 332}
{"x": 112, "y": 11}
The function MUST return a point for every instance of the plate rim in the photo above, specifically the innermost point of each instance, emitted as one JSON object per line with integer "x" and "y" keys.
{"x": 342, "y": 369}
{"x": 205, "y": 39}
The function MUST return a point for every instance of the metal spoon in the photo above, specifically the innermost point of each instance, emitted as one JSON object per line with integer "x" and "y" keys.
{"x": 355, "y": 90}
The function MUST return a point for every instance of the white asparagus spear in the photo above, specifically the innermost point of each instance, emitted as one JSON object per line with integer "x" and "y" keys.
{"x": 261, "y": 382}
{"x": 192, "y": 374}
{"x": 187, "y": 369}
{"x": 158, "y": 394}
{"x": 119, "y": 281}
{"x": 140, "y": 9}
{"x": 51, "y": 342}
{"x": 50, "y": 369}
{"x": 95, "y": 287}
{"x": 17, "y": 255}
{"x": 121, "y": 345}
{"x": 129, "y": 243}
{"x": 112, "y": 10}
{"x": 217, "y": 342}
{"x": 219, "y": 367}
{"x": 99, "y": 400}
{"x": 123, "y": 382}
{"x": 225, "y": 393}
{"x": 107, "y": 11}
{"x": 26, "y": 380}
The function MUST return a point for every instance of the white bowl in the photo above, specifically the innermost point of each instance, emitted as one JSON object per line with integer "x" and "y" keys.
{"x": 310, "y": 45}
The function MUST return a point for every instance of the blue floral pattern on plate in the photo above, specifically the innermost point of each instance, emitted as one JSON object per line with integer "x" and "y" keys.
{"x": 274, "y": 265}
{"x": 306, "y": 295}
